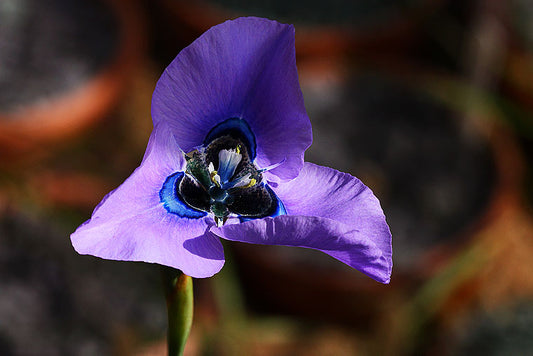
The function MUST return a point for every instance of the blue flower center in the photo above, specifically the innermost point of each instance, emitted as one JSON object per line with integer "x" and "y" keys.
{"x": 221, "y": 179}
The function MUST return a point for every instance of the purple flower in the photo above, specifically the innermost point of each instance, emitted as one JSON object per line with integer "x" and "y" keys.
{"x": 226, "y": 160}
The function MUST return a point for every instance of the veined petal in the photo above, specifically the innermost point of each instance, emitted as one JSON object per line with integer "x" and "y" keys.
{"x": 336, "y": 239}
{"x": 154, "y": 236}
{"x": 326, "y": 192}
{"x": 328, "y": 211}
{"x": 244, "y": 69}
{"x": 132, "y": 224}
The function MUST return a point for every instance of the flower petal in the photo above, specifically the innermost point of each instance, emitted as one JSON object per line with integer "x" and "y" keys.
{"x": 131, "y": 223}
{"x": 326, "y": 235}
{"x": 328, "y": 193}
{"x": 328, "y": 211}
{"x": 245, "y": 69}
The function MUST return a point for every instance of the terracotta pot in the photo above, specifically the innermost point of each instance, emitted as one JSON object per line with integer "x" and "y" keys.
{"x": 441, "y": 181}
{"x": 517, "y": 69}
{"x": 518, "y": 78}
{"x": 47, "y": 118}
{"x": 70, "y": 304}
{"x": 321, "y": 30}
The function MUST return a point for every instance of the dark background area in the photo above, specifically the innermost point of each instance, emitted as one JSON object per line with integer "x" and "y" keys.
{"x": 429, "y": 102}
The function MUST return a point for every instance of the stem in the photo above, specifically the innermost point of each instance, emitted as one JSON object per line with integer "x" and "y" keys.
{"x": 179, "y": 296}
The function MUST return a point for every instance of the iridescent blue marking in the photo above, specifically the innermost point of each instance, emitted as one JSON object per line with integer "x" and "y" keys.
{"x": 280, "y": 209}
{"x": 237, "y": 128}
{"x": 173, "y": 203}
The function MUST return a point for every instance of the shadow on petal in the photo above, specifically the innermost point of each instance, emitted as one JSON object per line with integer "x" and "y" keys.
{"x": 207, "y": 246}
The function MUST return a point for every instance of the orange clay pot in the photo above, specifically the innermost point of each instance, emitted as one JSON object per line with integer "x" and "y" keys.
{"x": 397, "y": 31}
{"x": 277, "y": 281}
{"x": 34, "y": 127}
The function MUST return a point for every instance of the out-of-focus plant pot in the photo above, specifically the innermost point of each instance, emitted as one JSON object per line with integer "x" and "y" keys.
{"x": 440, "y": 179}
{"x": 518, "y": 67}
{"x": 492, "y": 275}
{"x": 519, "y": 77}
{"x": 64, "y": 65}
{"x": 69, "y": 304}
{"x": 78, "y": 175}
{"x": 323, "y": 28}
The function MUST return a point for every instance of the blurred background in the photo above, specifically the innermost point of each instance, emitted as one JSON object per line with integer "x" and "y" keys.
{"x": 429, "y": 102}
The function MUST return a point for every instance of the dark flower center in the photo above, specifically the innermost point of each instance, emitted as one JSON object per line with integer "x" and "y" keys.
{"x": 221, "y": 179}
{"x": 218, "y": 194}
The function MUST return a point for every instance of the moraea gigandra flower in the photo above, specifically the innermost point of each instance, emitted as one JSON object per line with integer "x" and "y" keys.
{"x": 226, "y": 160}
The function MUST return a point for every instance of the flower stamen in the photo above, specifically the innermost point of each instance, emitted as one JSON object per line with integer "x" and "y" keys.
{"x": 235, "y": 189}
{"x": 228, "y": 160}
{"x": 243, "y": 182}
{"x": 215, "y": 178}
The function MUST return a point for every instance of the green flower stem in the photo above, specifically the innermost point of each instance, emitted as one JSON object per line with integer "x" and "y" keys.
{"x": 179, "y": 295}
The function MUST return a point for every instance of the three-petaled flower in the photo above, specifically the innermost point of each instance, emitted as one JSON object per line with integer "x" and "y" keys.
{"x": 225, "y": 160}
